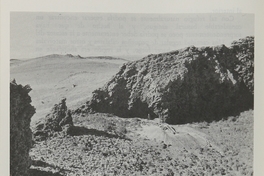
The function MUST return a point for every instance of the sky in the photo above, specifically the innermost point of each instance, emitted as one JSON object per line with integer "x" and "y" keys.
{"x": 35, "y": 34}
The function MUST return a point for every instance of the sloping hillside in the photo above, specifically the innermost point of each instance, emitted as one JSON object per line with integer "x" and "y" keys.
{"x": 55, "y": 76}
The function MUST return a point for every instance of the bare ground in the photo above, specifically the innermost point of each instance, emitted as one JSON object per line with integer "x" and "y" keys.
{"x": 115, "y": 146}
{"x": 108, "y": 145}
{"x": 53, "y": 77}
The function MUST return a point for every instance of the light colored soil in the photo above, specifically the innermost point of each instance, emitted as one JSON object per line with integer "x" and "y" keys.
{"x": 114, "y": 146}
{"x": 52, "y": 78}
{"x": 218, "y": 148}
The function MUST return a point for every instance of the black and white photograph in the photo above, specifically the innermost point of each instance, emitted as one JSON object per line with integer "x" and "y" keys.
{"x": 131, "y": 94}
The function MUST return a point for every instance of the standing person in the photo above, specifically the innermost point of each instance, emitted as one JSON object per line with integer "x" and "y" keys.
{"x": 149, "y": 118}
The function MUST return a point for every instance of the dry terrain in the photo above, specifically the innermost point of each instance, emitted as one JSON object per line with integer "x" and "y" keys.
{"x": 109, "y": 145}
{"x": 55, "y": 76}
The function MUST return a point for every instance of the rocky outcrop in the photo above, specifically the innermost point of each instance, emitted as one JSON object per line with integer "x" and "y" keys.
{"x": 244, "y": 50}
{"x": 186, "y": 85}
{"x": 21, "y": 112}
{"x": 59, "y": 119}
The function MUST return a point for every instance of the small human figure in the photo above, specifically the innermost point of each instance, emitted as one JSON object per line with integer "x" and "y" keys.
{"x": 162, "y": 119}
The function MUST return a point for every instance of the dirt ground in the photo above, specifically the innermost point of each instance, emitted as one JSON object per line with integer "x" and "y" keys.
{"x": 55, "y": 76}
{"x": 115, "y": 146}
{"x": 110, "y": 145}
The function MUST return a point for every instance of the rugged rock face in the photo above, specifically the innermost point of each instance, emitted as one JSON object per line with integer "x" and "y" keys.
{"x": 187, "y": 85}
{"x": 244, "y": 49}
{"x": 21, "y": 112}
{"x": 59, "y": 119}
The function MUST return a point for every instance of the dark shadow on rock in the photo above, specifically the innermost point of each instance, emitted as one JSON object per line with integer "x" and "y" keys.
{"x": 43, "y": 164}
{"x": 35, "y": 172}
{"x": 184, "y": 86}
{"x": 78, "y": 131}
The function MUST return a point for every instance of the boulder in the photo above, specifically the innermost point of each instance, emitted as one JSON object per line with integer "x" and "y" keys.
{"x": 21, "y": 112}
{"x": 187, "y": 85}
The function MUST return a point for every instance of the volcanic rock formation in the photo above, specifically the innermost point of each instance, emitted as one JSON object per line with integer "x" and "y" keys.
{"x": 21, "y": 112}
{"x": 186, "y": 85}
{"x": 59, "y": 119}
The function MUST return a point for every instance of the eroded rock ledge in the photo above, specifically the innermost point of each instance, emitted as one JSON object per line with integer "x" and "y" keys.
{"x": 182, "y": 86}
